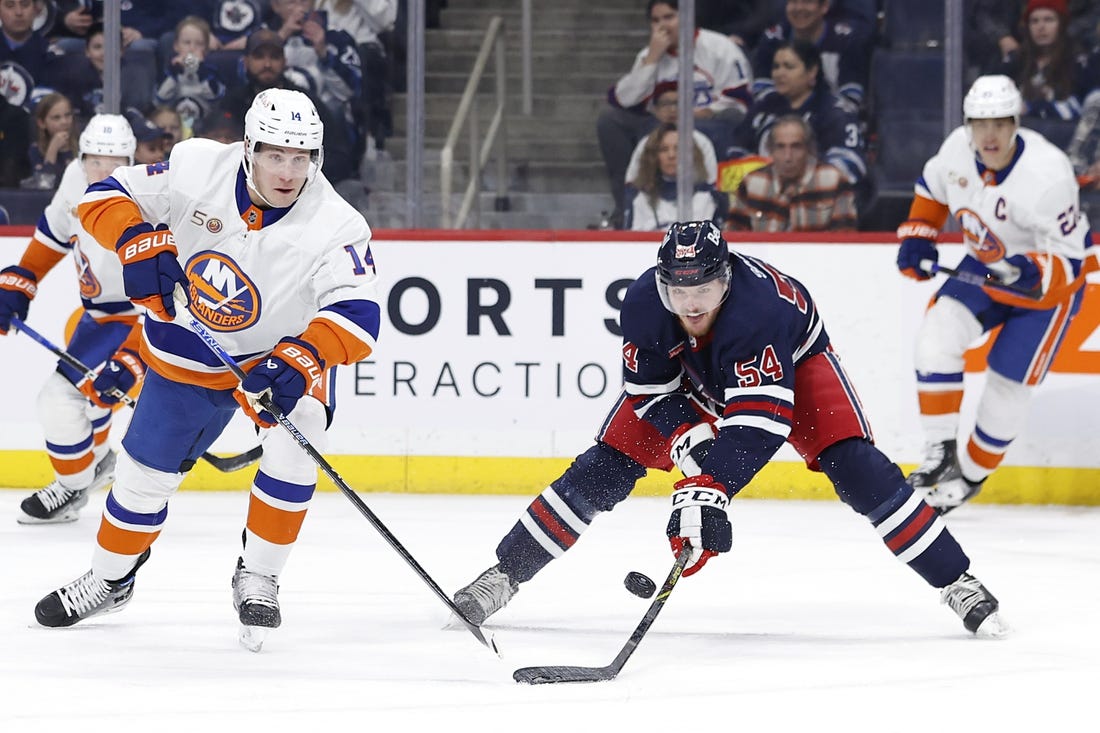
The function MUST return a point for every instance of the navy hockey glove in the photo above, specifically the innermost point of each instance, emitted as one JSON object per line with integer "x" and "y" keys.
{"x": 150, "y": 270}
{"x": 117, "y": 377}
{"x": 1027, "y": 275}
{"x": 18, "y": 286}
{"x": 699, "y": 519}
{"x": 689, "y": 445}
{"x": 918, "y": 243}
{"x": 292, "y": 370}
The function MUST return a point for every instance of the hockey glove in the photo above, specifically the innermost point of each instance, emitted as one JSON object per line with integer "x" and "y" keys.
{"x": 18, "y": 286}
{"x": 918, "y": 243}
{"x": 150, "y": 270}
{"x": 292, "y": 370}
{"x": 117, "y": 377}
{"x": 1026, "y": 274}
{"x": 699, "y": 518}
{"x": 689, "y": 446}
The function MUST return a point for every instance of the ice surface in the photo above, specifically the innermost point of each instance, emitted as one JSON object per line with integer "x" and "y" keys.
{"x": 809, "y": 623}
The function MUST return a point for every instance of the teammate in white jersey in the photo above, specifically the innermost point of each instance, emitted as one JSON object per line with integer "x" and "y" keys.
{"x": 75, "y": 413}
{"x": 279, "y": 268}
{"x": 1015, "y": 197}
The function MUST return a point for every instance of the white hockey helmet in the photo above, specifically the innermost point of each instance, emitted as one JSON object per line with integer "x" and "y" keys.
{"x": 992, "y": 97}
{"x": 108, "y": 135}
{"x": 287, "y": 118}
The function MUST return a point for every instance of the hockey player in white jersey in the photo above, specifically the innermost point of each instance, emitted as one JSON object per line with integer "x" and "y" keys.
{"x": 75, "y": 413}
{"x": 279, "y": 268}
{"x": 1015, "y": 197}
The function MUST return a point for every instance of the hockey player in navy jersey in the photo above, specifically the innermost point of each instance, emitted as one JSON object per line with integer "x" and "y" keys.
{"x": 725, "y": 358}
{"x": 279, "y": 268}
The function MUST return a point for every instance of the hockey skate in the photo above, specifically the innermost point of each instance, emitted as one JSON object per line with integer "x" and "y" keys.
{"x": 939, "y": 479}
{"x": 489, "y": 593}
{"x": 976, "y": 606}
{"x": 256, "y": 601}
{"x": 56, "y": 504}
{"x": 87, "y": 596}
{"x": 952, "y": 494}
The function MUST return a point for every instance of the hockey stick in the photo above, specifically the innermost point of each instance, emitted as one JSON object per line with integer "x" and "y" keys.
{"x": 303, "y": 442}
{"x": 553, "y": 674}
{"x": 227, "y": 464}
{"x": 973, "y": 278}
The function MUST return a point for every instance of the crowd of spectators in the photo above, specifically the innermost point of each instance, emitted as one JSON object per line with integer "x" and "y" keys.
{"x": 190, "y": 68}
{"x": 761, "y": 61}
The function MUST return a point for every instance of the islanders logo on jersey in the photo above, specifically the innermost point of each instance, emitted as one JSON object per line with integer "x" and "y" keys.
{"x": 977, "y": 235}
{"x": 90, "y": 287}
{"x": 222, "y": 296}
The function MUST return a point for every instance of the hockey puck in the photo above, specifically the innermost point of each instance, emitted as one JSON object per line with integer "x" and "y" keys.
{"x": 639, "y": 584}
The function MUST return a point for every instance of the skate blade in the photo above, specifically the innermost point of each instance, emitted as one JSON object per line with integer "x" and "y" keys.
{"x": 64, "y": 518}
{"x": 994, "y": 627}
{"x": 252, "y": 637}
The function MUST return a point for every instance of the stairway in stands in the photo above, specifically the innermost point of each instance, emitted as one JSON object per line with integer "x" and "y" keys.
{"x": 556, "y": 174}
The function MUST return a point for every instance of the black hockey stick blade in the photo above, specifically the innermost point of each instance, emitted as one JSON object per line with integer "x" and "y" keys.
{"x": 548, "y": 675}
{"x": 229, "y": 464}
{"x": 988, "y": 281}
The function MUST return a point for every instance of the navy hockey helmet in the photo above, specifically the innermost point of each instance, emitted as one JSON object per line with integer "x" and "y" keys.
{"x": 693, "y": 268}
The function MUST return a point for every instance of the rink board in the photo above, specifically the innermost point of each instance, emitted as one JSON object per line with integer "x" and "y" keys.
{"x": 499, "y": 357}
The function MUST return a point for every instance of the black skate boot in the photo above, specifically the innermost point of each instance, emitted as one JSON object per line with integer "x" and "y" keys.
{"x": 87, "y": 596}
{"x": 56, "y": 504}
{"x": 939, "y": 479}
{"x": 489, "y": 593}
{"x": 256, "y": 601}
{"x": 976, "y": 606}
{"x": 953, "y": 494}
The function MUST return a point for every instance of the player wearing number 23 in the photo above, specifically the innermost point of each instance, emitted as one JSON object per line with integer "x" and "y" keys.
{"x": 725, "y": 359}
{"x": 1015, "y": 198}
{"x": 279, "y": 267}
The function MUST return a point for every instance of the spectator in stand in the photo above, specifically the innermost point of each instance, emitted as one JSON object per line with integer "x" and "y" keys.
{"x": 265, "y": 67}
{"x": 366, "y": 21}
{"x": 800, "y": 89}
{"x": 220, "y": 126}
{"x": 191, "y": 86}
{"x": 152, "y": 141}
{"x": 794, "y": 192}
{"x": 168, "y": 119}
{"x": 1084, "y": 23}
{"x": 328, "y": 57}
{"x": 1052, "y": 76}
{"x": 845, "y": 53}
{"x": 15, "y": 141}
{"x": 55, "y": 144}
{"x": 722, "y": 79}
{"x": 651, "y": 197}
{"x": 665, "y": 100}
{"x": 989, "y": 33}
{"x": 743, "y": 21}
{"x": 81, "y": 79}
{"x": 25, "y": 47}
{"x": 232, "y": 21}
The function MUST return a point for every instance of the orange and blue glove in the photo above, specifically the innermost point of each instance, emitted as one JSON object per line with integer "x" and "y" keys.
{"x": 918, "y": 243}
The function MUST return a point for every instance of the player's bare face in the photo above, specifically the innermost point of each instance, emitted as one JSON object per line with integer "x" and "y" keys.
{"x": 666, "y": 153}
{"x": 98, "y": 167}
{"x": 994, "y": 140}
{"x": 696, "y": 306}
{"x": 280, "y": 173}
{"x": 1042, "y": 26}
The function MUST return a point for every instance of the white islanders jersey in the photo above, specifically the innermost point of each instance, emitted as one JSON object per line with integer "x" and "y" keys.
{"x": 255, "y": 275}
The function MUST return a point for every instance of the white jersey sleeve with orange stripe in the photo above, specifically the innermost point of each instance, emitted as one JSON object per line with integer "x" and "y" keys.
{"x": 255, "y": 276}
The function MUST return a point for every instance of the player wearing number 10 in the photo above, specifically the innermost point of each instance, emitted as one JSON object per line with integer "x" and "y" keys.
{"x": 278, "y": 266}
{"x": 725, "y": 358}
